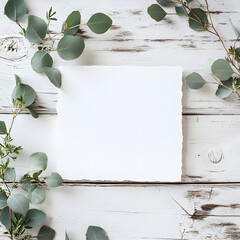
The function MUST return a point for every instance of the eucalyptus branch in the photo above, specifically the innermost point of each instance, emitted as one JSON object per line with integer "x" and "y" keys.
{"x": 213, "y": 27}
{"x": 18, "y": 219}
{"x": 38, "y": 33}
{"x": 226, "y": 72}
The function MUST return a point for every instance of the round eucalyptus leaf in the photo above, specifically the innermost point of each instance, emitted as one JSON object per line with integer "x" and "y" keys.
{"x": 38, "y": 161}
{"x": 72, "y": 20}
{"x": 36, "y": 175}
{"x": 224, "y": 92}
{"x": 54, "y": 75}
{"x": 181, "y": 11}
{"x": 3, "y": 128}
{"x": 15, "y": 9}
{"x": 28, "y": 187}
{"x": 66, "y": 236}
{"x": 156, "y": 12}
{"x": 96, "y": 233}
{"x": 3, "y": 200}
{"x": 70, "y": 47}
{"x": 54, "y": 180}
{"x": 33, "y": 113}
{"x": 99, "y": 23}
{"x": 10, "y": 175}
{"x": 25, "y": 92}
{"x": 237, "y": 54}
{"x": 36, "y": 29}
{"x": 40, "y": 60}
{"x": 17, "y": 79}
{"x": 165, "y": 2}
{"x": 18, "y": 203}
{"x": 37, "y": 196}
{"x": 36, "y": 217}
{"x": 195, "y": 80}
{"x": 198, "y": 19}
{"x": 5, "y": 217}
{"x": 46, "y": 233}
{"x": 222, "y": 69}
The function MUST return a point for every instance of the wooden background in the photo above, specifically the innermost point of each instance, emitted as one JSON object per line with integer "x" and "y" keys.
{"x": 206, "y": 205}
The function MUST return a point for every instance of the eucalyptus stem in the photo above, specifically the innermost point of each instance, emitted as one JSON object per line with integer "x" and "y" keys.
{"x": 11, "y": 230}
{"x": 220, "y": 38}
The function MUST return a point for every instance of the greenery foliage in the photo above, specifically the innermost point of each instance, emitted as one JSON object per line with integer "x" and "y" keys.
{"x": 225, "y": 72}
{"x": 38, "y": 32}
{"x": 17, "y": 195}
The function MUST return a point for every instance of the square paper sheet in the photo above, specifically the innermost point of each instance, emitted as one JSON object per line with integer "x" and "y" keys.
{"x": 120, "y": 123}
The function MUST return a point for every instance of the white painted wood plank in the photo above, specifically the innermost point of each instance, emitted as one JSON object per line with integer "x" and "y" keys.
{"x": 135, "y": 39}
{"x": 210, "y": 145}
{"x": 211, "y": 148}
{"x": 139, "y": 212}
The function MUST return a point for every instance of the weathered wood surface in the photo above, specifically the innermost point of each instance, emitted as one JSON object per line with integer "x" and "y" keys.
{"x": 211, "y": 126}
{"x": 167, "y": 212}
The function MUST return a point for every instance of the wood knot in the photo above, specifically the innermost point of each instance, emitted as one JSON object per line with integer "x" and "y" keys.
{"x": 12, "y": 48}
{"x": 215, "y": 157}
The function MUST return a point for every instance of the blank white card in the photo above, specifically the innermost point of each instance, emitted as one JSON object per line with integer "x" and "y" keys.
{"x": 120, "y": 123}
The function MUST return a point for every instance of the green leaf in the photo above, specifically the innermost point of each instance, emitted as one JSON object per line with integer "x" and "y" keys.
{"x": 99, "y": 23}
{"x": 36, "y": 29}
{"x": 25, "y": 92}
{"x": 15, "y": 9}
{"x": 36, "y": 175}
{"x": 18, "y": 203}
{"x": 3, "y": 200}
{"x": 40, "y": 60}
{"x": 36, "y": 218}
{"x": 70, "y": 47}
{"x": 96, "y": 233}
{"x": 156, "y": 12}
{"x": 195, "y": 80}
{"x": 224, "y": 92}
{"x": 54, "y": 75}
{"x": 198, "y": 19}
{"x": 237, "y": 54}
{"x": 54, "y": 180}
{"x": 3, "y": 128}
{"x": 72, "y": 20}
{"x": 38, "y": 161}
{"x": 222, "y": 69}
{"x": 66, "y": 236}
{"x": 17, "y": 78}
{"x": 33, "y": 113}
{"x": 5, "y": 217}
{"x": 28, "y": 187}
{"x": 46, "y": 233}
{"x": 165, "y": 2}
{"x": 181, "y": 11}
{"x": 37, "y": 196}
{"x": 10, "y": 175}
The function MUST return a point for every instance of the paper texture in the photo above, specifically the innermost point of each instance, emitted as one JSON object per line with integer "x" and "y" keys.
{"x": 120, "y": 123}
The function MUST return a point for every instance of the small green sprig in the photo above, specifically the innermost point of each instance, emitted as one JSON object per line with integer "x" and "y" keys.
{"x": 65, "y": 43}
{"x": 225, "y": 72}
{"x": 50, "y": 14}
